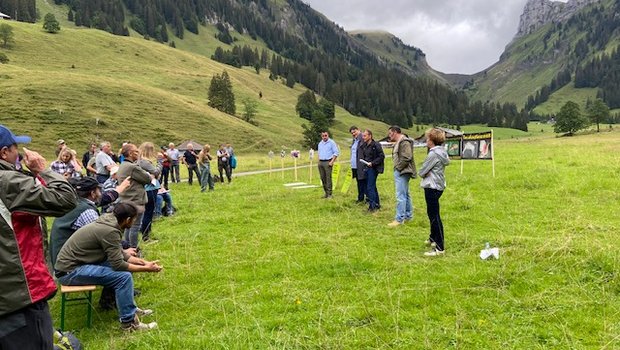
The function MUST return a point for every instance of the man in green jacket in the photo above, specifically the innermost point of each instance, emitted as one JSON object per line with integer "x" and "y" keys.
{"x": 93, "y": 255}
{"x": 404, "y": 170}
{"x": 25, "y": 281}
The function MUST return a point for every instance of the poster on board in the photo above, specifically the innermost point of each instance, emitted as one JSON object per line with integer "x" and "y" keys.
{"x": 477, "y": 146}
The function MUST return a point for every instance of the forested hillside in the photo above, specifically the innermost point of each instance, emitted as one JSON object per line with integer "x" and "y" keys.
{"x": 580, "y": 52}
{"x": 302, "y": 46}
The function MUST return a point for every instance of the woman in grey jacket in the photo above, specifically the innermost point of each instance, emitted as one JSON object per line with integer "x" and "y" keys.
{"x": 434, "y": 182}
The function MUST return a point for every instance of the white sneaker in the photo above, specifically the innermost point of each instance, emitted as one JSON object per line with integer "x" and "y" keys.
{"x": 428, "y": 243}
{"x": 435, "y": 252}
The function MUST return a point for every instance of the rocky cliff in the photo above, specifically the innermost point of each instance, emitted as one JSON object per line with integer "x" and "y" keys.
{"x": 537, "y": 13}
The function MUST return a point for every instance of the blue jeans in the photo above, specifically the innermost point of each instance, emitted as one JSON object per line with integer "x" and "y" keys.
{"x": 206, "y": 177}
{"x": 371, "y": 189}
{"x": 161, "y": 198}
{"x": 404, "y": 209}
{"x": 104, "y": 275}
{"x": 131, "y": 234}
{"x": 149, "y": 209}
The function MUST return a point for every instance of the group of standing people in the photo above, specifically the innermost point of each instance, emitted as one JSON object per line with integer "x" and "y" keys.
{"x": 367, "y": 163}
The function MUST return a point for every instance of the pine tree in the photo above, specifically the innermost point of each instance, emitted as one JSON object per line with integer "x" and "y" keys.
{"x": 50, "y": 24}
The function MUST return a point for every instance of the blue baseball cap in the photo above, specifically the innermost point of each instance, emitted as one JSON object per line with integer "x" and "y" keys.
{"x": 7, "y": 138}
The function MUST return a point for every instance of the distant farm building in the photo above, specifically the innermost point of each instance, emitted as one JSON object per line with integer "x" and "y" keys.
{"x": 3, "y": 16}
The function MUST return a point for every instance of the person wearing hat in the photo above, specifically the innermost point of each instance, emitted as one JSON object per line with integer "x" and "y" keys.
{"x": 89, "y": 191}
{"x": 25, "y": 281}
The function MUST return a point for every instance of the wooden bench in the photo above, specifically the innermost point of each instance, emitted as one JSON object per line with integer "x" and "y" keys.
{"x": 88, "y": 296}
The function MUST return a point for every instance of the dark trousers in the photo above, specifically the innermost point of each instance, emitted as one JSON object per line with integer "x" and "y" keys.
{"x": 147, "y": 219}
{"x": 174, "y": 172}
{"x": 102, "y": 178}
{"x": 191, "y": 169}
{"x": 432, "y": 209}
{"x": 165, "y": 171}
{"x": 371, "y": 189}
{"x": 325, "y": 170}
{"x": 224, "y": 166}
{"x": 361, "y": 186}
{"x": 28, "y": 328}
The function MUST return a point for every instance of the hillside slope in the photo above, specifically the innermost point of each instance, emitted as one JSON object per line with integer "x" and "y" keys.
{"x": 84, "y": 84}
{"x": 531, "y": 62}
{"x": 394, "y": 53}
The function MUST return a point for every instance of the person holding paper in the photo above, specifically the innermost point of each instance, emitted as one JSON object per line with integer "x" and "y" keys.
{"x": 328, "y": 153}
{"x": 371, "y": 164}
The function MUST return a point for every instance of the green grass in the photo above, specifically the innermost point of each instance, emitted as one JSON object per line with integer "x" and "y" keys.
{"x": 257, "y": 265}
{"x": 565, "y": 94}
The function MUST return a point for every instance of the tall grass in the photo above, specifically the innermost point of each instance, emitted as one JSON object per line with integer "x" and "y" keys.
{"x": 258, "y": 265}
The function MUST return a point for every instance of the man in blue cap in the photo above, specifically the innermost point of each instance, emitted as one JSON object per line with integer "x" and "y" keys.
{"x": 25, "y": 281}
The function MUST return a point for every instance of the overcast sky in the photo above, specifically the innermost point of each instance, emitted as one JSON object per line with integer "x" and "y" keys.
{"x": 458, "y": 36}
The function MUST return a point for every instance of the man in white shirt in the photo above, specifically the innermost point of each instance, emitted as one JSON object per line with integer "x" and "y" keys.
{"x": 104, "y": 162}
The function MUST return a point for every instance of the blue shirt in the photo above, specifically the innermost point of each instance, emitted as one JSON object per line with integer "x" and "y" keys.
{"x": 328, "y": 149}
{"x": 356, "y": 143}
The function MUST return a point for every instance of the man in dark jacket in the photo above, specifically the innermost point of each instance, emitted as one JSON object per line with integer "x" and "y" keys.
{"x": 371, "y": 163}
{"x": 404, "y": 170}
{"x": 25, "y": 281}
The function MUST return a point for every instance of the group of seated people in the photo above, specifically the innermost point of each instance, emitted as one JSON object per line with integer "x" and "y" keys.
{"x": 87, "y": 247}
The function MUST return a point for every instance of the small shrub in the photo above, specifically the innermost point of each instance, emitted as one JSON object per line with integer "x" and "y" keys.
{"x": 3, "y": 58}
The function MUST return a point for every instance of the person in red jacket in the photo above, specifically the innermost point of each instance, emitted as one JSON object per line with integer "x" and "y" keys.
{"x": 25, "y": 281}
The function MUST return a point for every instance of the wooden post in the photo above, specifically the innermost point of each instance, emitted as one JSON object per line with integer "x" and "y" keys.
{"x": 295, "y": 165}
{"x": 282, "y": 161}
{"x": 493, "y": 152}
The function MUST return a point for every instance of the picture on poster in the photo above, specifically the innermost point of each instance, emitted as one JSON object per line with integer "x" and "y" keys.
{"x": 453, "y": 147}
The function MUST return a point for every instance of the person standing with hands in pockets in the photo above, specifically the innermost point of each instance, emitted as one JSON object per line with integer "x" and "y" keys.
{"x": 328, "y": 153}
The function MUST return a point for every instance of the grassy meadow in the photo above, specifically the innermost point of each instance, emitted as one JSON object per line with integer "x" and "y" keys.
{"x": 84, "y": 84}
{"x": 257, "y": 265}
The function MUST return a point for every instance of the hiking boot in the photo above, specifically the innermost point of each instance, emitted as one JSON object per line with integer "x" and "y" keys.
{"x": 435, "y": 252}
{"x": 136, "y": 325}
{"x": 394, "y": 223}
{"x": 143, "y": 312}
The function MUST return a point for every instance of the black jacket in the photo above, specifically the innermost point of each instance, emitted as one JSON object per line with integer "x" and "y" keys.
{"x": 372, "y": 153}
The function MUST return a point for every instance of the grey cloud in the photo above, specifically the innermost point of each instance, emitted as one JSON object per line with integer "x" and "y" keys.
{"x": 458, "y": 36}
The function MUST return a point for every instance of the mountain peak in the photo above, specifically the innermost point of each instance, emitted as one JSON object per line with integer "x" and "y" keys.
{"x": 538, "y": 13}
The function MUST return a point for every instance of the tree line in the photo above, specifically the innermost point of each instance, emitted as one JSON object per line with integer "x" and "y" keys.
{"x": 20, "y": 10}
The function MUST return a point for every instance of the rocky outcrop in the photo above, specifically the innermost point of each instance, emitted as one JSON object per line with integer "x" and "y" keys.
{"x": 537, "y": 13}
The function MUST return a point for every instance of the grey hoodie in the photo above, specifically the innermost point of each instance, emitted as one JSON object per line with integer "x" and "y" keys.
{"x": 432, "y": 171}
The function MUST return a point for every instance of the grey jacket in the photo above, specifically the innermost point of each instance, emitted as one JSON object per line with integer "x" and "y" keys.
{"x": 432, "y": 171}
{"x": 402, "y": 155}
